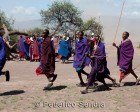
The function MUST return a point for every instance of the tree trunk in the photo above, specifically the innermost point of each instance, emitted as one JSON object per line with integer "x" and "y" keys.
{"x": 9, "y": 47}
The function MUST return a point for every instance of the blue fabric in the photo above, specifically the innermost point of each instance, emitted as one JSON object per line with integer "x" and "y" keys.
{"x": 21, "y": 44}
{"x": 2, "y": 50}
{"x": 2, "y": 54}
{"x": 26, "y": 47}
{"x": 63, "y": 50}
{"x": 40, "y": 40}
{"x": 102, "y": 47}
{"x": 81, "y": 48}
{"x": 78, "y": 68}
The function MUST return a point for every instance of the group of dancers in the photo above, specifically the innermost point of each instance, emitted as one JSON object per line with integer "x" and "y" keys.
{"x": 30, "y": 48}
{"x": 87, "y": 52}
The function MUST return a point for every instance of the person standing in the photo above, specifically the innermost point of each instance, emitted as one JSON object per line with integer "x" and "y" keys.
{"x": 63, "y": 51}
{"x": 125, "y": 57}
{"x": 21, "y": 48}
{"x": 36, "y": 51}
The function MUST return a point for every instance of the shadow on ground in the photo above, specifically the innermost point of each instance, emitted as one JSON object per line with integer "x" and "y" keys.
{"x": 130, "y": 84}
{"x": 54, "y": 88}
{"x": 13, "y": 92}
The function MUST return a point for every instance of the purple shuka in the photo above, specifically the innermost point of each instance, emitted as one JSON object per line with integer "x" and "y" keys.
{"x": 98, "y": 66}
{"x": 81, "y": 48}
{"x": 98, "y": 61}
{"x": 102, "y": 46}
{"x": 125, "y": 55}
{"x": 21, "y": 44}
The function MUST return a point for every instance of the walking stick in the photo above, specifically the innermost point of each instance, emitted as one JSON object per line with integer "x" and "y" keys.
{"x": 119, "y": 21}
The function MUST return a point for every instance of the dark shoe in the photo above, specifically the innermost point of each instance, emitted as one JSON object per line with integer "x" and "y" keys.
{"x": 92, "y": 87}
{"x": 108, "y": 89}
{"x": 7, "y": 75}
{"x": 81, "y": 85}
{"x": 84, "y": 91}
{"x": 114, "y": 83}
{"x": 52, "y": 79}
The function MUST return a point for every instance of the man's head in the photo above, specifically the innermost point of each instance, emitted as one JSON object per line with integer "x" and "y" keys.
{"x": 91, "y": 44}
{"x": 125, "y": 35}
{"x": 97, "y": 37}
{"x": 66, "y": 34}
{"x": 46, "y": 33}
{"x": 80, "y": 34}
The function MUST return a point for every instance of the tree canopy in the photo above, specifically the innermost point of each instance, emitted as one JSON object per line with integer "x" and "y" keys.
{"x": 61, "y": 16}
{"x": 7, "y": 21}
{"x": 92, "y": 26}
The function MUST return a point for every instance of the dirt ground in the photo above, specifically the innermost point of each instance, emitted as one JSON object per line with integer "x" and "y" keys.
{"x": 25, "y": 91}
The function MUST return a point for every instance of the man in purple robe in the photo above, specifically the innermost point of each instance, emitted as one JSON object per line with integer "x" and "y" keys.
{"x": 21, "y": 48}
{"x": 81, "y": 48}
{"x": 98, "y": 71}
{"x": 125, "y": 57}
{"x": 3, "y": 58}
{"x": 47, "y": 62}
{"x": 102, "y": 47}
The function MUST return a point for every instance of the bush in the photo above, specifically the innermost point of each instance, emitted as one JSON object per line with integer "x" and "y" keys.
{"x": 138, "y": 46}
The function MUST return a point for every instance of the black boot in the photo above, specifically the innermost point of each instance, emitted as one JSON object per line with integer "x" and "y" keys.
{"x": 7, "y": 75}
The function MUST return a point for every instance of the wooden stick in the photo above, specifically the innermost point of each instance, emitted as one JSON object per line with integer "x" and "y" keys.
{"x": 119, "y": 21}
{"x": 98, "y": 26}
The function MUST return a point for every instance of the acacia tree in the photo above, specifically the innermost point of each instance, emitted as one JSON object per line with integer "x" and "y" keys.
{"x": 35, "y": 31}
{"x": 92, "y": 25}
{"x": 61, "y": 17}
{"x": 7, "y": 21}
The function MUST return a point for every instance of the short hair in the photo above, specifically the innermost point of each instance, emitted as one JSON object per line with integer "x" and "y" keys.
{"x": 81, "y": 32}
{"x": 46, "y": 31}
{"x": 127, "y": 33}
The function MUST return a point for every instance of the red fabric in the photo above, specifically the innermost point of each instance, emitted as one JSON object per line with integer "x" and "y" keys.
{"x": 39, "y": 71}
{"x": 95, "y": 41}
{"x": 21, "y": 54}
{"x": 28, "y": 41}
{"x": 31, "y": 51}
{"x": 36, "y": 51}
{"x": 36, "y": 57}
{"x": 123, "y": 74}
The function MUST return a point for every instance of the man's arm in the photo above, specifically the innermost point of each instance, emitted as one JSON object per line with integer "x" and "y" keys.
{"x": 114, "y": 44}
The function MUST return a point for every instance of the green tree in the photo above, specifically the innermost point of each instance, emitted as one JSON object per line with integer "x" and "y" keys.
{"x": 92, "y": 25}
{"x": 7, "y": 21}
{"x": 35, "y": 31}
{"x": 61, "y": 16}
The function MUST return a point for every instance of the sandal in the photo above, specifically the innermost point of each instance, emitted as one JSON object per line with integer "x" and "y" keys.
{"x": 84, "y": 91}
{"x": 81, "y": 85}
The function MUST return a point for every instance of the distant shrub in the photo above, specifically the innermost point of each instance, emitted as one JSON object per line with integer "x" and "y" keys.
{"x": 138, "y": 46}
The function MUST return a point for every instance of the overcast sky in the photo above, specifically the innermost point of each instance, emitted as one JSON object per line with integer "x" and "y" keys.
{"x": 24, "y": 10}
{"x": 29, "y": 9}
